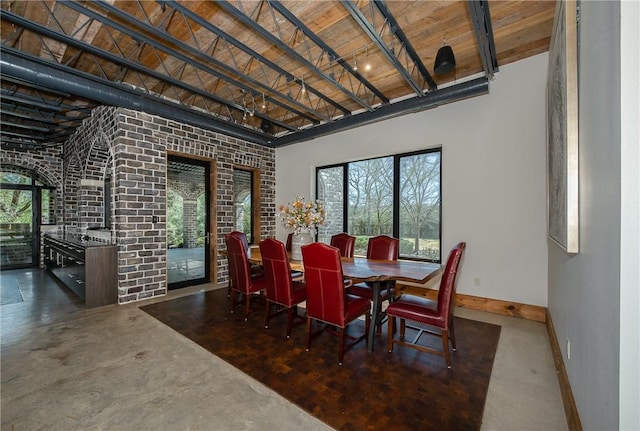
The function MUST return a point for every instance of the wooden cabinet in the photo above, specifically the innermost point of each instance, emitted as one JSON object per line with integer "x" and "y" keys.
{"x": 90, "y": 269}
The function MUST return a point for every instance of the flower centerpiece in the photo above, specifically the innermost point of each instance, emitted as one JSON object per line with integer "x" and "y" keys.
{"x": 303, "y": 218}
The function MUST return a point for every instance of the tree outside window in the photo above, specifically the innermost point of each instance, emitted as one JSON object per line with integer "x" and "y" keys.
{"x": 397, "y": 195}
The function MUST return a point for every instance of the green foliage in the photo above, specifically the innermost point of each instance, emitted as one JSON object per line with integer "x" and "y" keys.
{"x": 200, "y": 220}
{"x": 174, "y": 220}
{"x": 406, "y": 246}
{"x": 15, "y": 206}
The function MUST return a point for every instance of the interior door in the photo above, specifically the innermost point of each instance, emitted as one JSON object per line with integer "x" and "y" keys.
{"x": 17, "y": 245}
{"x": 188, "y": 221}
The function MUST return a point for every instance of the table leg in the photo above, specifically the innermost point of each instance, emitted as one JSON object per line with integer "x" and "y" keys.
{"x": 375, "y": 316}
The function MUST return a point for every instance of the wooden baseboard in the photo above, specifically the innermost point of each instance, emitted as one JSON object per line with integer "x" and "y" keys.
{"x": 530, "y": 312}
{"x": 570, "y": 408}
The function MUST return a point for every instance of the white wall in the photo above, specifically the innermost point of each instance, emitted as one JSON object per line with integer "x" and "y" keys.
{"x": 630, "y": 220}
{"x": 593, "y": 296}
{"x": 493, "y": 169}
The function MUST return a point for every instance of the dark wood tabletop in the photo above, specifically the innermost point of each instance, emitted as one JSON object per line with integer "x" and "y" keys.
{"x": 362, "y": 269}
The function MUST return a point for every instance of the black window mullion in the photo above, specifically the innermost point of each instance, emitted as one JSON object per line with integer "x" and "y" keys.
{"x": 345, "y": 197}
{"x": 396, "y": 196}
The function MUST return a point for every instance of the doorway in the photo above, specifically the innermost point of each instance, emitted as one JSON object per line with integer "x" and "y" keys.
{"x": 25, "y": 205}
{"x": 188, "y": 221}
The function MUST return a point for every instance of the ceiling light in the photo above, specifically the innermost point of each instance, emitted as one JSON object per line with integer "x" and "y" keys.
{"x": 355, "y": 62}
{"x": 445, "y": 60}
{"x": 367, "y": 65}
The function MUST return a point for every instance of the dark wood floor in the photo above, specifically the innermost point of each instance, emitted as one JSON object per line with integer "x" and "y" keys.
{"x": 403, "y": 390}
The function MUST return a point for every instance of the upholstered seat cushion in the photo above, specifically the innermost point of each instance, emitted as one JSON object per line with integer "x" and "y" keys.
{"x": 298, "y": 294}
{"x": 363, "y": 290}
{"x": 355, "y": 307}
{"x": 417, "y": 309}
{"x": 257, "y": 275}
{"x": 257, "y": 284}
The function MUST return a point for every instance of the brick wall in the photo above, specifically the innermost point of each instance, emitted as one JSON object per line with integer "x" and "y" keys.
{"x": 130, "y": 148}
{"x": 137, "y": 145}
{"x": 330, "y": 191}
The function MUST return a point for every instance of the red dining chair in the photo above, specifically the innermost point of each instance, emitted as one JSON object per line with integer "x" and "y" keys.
{"x": 242, "y": 282}
{"x": 327, "y": 300}
{"x": 345, "y": 243}
{"x": 281, "y": 289}
{"x": 381, "y": 247}
{"x": 256, "y": 270}
{"x": 438, "y": 315}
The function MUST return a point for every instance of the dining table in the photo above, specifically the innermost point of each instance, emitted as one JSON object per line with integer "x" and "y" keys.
{"x": 377, "y": 273}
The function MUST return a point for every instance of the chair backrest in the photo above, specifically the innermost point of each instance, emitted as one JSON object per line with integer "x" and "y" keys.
{"x": 242, "y": 237}
{"x": 239, "y": 269}
{"x": 383, "y": 247}
{"x": 289, "y": 241}
{"x": 325, "y": 283}
{"x": 345, "y": 243}
{"x": 277, "y": 271}
{"x": 448, "y": 281}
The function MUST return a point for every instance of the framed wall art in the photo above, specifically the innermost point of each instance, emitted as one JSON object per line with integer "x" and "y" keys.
{"x": 562, "y": 130}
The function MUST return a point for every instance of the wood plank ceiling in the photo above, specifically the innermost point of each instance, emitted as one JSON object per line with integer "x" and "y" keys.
{"x": 272, "y": 72}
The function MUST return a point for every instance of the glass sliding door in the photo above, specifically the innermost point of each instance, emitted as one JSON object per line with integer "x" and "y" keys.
{"x": 188, "y": 228}
{"x": 17, "y": 246}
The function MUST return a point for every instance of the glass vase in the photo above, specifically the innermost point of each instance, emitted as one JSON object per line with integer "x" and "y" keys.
{"x": 297, "y": 241}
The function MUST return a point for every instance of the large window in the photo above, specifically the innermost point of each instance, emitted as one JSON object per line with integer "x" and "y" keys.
{"x": 244, "y": 203}
{"x": 397, "y": 195}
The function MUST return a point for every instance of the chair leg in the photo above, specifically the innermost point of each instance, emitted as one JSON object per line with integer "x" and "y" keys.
{"x": 341, "y": 347}
{"x": 390, "y": 319}
{"x": 267, "y": 316}
{"x": 452, "y": 336}
{"x": 403, "y": 327}
{"x": 308, "y": 333}
{"x": 234, "y": 296}
{"x": 289, "y": 321}
{"x": 247, "y": 306}
{"x": 445, "y": 347}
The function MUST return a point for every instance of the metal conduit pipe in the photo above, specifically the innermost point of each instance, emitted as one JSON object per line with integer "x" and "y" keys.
{"x": 19, "y": 66}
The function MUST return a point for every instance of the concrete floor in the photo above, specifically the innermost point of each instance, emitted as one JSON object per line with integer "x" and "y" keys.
{"x": 116, "y": 368}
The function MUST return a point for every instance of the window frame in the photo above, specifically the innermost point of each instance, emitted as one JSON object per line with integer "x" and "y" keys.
{"x": 396, "y": 193}
{"x": 254, "y": 173}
